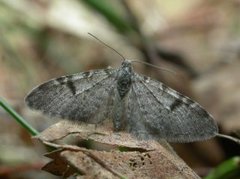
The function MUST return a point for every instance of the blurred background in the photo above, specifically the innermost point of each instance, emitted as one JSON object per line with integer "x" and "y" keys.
{"x": 197, "y": 39}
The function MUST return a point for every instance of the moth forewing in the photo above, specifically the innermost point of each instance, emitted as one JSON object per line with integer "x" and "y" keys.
{"x": 144, "y": 107}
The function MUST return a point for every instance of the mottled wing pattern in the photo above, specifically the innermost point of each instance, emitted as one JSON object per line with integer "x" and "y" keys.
{"x": 84, "y": 96}
{"x": 156, "y": 111}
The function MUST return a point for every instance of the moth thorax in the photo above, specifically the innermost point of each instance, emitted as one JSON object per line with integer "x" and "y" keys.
{"x": 124, "y": 80}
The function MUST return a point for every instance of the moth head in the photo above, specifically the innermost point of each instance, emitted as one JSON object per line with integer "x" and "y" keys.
{"x": 127, "y": 65}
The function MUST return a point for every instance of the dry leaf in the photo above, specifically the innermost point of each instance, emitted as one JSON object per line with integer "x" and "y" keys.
{"x": 124, "y": 156}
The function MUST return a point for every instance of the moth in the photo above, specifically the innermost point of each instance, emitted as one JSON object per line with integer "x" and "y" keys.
{"x": 135, "y": 103}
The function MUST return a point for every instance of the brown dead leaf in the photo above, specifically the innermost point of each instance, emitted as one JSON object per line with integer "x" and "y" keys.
{"x": 58, "y": 166}
{"x": 126, "y": 158}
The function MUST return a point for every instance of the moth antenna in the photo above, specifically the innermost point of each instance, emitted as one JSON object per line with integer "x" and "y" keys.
{"x": 229, "y": 138}
{"x": 106, "y": 45}
{"x": 149, "y": 64}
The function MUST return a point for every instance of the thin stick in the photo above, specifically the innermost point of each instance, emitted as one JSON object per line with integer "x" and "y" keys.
{"x": 106, "y": 45}
{"x": 87, "y": 152}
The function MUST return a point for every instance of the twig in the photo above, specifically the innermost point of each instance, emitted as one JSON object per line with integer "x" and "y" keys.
{"x": 87, "y": 152}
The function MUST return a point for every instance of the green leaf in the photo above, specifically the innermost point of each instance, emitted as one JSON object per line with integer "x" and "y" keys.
{"x": 229, "y": 169}
{"x": 112, "y": 16}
